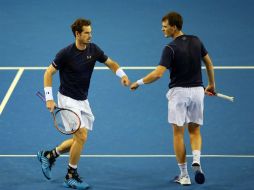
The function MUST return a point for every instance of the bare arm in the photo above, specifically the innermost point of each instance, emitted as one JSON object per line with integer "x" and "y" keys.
{"x": 154, "y": 75}
{"x": 114, "y": 66}
{"x": 48, "y": 75}
{"x": 210, "y": 89}
{"x": 151, "y": 77}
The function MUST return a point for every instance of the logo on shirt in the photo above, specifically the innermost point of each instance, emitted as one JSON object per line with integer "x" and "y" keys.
{"x": 88, "y": 57}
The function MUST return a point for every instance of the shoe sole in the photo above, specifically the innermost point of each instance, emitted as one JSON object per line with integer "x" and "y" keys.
{"x": 199, "y": 177}
{"x": 68, "y": 186}
{"x": 183, "y": 184}
{"x": 187, "y": 184}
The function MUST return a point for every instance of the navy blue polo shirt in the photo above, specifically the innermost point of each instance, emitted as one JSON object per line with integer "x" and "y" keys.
{"x": 183, "y": 57}
{"x": 75, "y": 69}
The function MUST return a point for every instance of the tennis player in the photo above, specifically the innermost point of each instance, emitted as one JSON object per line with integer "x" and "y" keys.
{"x": 182, "y": 57}
{"x": 75, "y": 64}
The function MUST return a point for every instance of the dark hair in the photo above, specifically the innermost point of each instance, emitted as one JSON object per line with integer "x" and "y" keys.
{"x": 174, "y": 19}
{"x": 78, "y": 24}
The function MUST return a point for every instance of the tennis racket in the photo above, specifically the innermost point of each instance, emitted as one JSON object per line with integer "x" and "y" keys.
{"x": 223, "y": 96}
{"x": 65, "y": 120}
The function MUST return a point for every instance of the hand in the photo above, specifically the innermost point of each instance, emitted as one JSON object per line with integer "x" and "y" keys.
{"x": 134, "y": 86}
{"x": 51, "y": 105}
{"x": 125, "y": 81}
{"x": 210, "y": 90}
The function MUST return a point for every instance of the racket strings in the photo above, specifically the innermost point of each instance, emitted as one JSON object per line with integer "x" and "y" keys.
{"x": 67, "y": 120}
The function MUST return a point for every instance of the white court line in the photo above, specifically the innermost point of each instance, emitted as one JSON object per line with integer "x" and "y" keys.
{"x": 10, "y": 90}
{"x": 21, "y": 70}
{"x": 130, "y": 156}
{"x": 129, "y": 68}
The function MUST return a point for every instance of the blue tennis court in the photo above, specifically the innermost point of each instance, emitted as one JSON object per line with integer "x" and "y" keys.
{"x": 131, "y": 146}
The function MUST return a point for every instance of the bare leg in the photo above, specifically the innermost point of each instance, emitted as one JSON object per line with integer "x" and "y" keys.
{"x": 196, "y": 144}
{"x": 65, "y": 146}
{"x": 195, "y": 136}
{"x": 180, "y": 153}
{"x": 72, "y": 179}
{"x": 179, "y": 146}
{"x": 79, "y": 139}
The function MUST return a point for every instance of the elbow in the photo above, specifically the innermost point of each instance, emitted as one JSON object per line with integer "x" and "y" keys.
{"x": 46, "y": 74}
{"x": 210, "y": 67}
{"x": 158, "y": 76}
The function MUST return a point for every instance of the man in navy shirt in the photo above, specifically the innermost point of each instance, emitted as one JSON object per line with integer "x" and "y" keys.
{"x": 182, "y": 57}
{"x": 75, "y": 64}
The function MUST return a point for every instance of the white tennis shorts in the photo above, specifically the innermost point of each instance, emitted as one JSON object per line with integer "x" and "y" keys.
{"x": 80, "y": 107}
{"x": 185, "y": 105}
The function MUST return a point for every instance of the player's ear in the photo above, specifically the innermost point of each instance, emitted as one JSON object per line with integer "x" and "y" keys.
{"x": 175, "y": 28}
{"x": 77, "y": 34}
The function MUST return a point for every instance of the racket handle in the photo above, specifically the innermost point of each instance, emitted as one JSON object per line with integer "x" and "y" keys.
{"x": 41, "y": 96}
{"x": 230, "y": 98}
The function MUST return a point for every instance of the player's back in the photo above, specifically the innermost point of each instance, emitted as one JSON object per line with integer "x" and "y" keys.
{"x": 186, "y": 65}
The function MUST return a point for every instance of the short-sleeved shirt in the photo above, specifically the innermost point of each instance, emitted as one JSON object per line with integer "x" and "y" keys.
{"x": 183, "y": 57}
{"x": 75, "y": 69}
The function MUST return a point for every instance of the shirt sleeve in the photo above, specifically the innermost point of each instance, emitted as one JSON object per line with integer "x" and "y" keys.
{"x": 167, "y": 57}
{"x": 203, "y": 50}
{"x": 100, "y": 56}
{"x": 59, "y": 60}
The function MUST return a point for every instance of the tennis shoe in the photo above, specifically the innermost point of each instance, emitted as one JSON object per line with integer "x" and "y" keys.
{"x": 199, "y": 174}
{"x": 46, "y": 164}
{"x": 75, "y": 182}
{"x": 183, "y": 180}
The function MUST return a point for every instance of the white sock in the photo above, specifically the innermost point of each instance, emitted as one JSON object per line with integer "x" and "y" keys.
{"x": 196, "y": 156}
{"x": 183, "y": 169}
{"x": 57, "y": 151}
{"x": 73, "y": 166}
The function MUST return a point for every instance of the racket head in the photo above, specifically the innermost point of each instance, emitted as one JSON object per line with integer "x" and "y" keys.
{"x": 66, "y": 121}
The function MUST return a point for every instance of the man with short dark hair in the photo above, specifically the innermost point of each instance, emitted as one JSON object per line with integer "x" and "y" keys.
{"x": 182, "y": 57}
{"x": 75, "y": 64}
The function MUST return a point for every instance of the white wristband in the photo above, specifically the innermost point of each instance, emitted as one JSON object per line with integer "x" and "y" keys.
{"x": 48, "y": 93}
{"x": 120, "y": 73}
{"x": 140, "y": 82}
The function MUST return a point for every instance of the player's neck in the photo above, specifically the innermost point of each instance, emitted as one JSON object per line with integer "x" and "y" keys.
{"x": 80, "y": 46}
{"x": 177, "y": 34}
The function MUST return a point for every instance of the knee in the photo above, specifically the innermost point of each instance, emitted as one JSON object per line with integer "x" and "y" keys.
{"x": 81, "y": 136}
{"x": 194, "y": 133}
{"x": 179, "y": 136}
{"x": 178, "y": 131}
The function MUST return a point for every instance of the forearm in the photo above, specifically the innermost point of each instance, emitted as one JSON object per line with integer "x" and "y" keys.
{"x": 115, "y": 68}
{"x": 48, "y": 87}
{"x": 151, "y": 77}
{"x": 210, "y": 75}
{"x": 112, "y": 65}
{"x": 209, "y": 70}
{"x": 154, "y": 75}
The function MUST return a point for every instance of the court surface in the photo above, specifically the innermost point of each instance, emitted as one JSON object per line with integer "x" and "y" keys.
{"x": 130, "y": 147}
